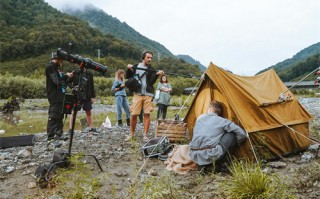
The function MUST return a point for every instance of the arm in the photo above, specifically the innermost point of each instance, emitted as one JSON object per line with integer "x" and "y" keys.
{"x": 153, "y": 76}
{"x": 116, "y": 86}
{"x": 166, "y": 89}
{"x": 52, "y": 75}
{"x": 240, "y": 133}
{"x": 130, "y": 71}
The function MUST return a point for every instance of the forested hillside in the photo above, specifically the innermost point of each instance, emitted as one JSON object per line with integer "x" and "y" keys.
{"x": 32, "y": 29}
{"x": 299, "y": 65}
{"x": 111, "y": 25}
{"x": 189, "y": 59}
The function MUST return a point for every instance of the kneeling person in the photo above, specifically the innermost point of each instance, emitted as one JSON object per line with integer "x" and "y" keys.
{"x": 214, "y": 138}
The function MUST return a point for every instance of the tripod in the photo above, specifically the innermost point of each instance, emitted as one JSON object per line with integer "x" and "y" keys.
{"x": 73, "y": 102}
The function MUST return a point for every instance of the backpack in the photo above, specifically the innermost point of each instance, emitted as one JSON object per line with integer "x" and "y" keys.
{"x": 134, "y": 83}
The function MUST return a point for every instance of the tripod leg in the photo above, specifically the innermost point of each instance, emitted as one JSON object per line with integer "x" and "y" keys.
{"x": 72, "y": 128}
{"x": 97, "y": 161}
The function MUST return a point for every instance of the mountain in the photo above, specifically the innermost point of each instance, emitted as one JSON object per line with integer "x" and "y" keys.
{"x": 190, "y": 60}
{"x": 107, "y": 24}
{"x": 299, "y": 65}
{"x": 99, "y": 19}
{"x": 31, "y": 30}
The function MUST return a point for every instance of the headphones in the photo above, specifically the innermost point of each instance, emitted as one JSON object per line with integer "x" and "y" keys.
{"x": 145, "y": 52}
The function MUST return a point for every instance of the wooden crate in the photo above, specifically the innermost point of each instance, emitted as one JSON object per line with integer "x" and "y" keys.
{"x": 175, "y": 131}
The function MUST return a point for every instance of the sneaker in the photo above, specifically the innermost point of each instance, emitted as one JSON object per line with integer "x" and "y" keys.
{"x": 69, "y": 132}
{"x": 93, "y": 130}
{"x": 145, "y": 138}
{"x": 128, "y": 138}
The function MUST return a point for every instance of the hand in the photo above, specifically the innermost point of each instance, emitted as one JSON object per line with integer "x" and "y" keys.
{"x": 92, "y": 100}
{"x": 129, "y": 66}
{"x": 122, "y": 85}
{"x": 160, "y": 72}
{"x": 70, "y": 75}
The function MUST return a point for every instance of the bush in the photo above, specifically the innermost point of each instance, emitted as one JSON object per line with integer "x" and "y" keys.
{"x": 35, "y": 87}
{"x": 21, "y": 87}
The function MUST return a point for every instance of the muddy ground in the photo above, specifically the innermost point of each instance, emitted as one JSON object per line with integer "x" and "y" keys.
{"x": 123, "y": 163}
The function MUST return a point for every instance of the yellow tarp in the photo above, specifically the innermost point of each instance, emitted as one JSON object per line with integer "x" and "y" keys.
{"x": 252, "y": 103}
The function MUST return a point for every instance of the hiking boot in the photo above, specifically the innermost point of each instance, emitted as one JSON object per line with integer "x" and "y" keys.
{"x": 119, "y": 122}
{"x": 206, "y": 169}
{"x": 222, "y": 168}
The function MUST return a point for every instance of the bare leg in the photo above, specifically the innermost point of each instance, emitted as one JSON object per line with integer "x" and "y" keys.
{"x": 133, "y": 123}
{"x": 89, "y": 119}
{"x": 146, "y": 124}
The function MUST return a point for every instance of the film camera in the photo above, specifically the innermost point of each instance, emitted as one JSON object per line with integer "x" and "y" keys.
{"x": 84, "y": 62}
{"x": 78, "y": 91}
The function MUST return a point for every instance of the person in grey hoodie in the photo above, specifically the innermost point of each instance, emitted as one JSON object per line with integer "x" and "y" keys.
{"x": 214, "y": 139}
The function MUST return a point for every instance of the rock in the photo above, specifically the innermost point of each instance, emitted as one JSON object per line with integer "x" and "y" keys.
{"x": 55, "y": 197}
{"x": 118, "y": 174}
{"x": 276, "y": 164}
{"x": 24, "y": 153}
{"x": 32, "y": 185}
{"x": 152, "y": 172}
{"x": 314, "y": 147}
{"x": 125, "y": 174}
{"x": 2, "y": 131}
{"x": 9, "y": 169}
{"x": 267, "y": 170}
{"x": 27, "y": 172}
{"x": 307, "y": 157}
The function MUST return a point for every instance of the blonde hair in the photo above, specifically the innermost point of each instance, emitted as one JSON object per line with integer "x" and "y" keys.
{"x": 118, "y": 73}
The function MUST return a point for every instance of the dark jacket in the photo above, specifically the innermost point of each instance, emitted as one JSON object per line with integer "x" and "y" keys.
{"x": 87, "y": 83}
{"x": 151, "y": 77}
{"x": 54, "y": 83}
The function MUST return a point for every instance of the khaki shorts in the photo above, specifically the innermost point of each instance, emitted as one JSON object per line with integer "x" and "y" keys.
{"x": 138, "y": 102}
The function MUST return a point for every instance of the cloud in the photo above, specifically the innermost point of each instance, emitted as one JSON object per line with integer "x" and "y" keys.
{"x": 244, "y": 36}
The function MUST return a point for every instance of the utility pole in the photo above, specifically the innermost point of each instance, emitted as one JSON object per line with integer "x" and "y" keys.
{"x": 99, "y": 54}
{"x": 159, "y": 55}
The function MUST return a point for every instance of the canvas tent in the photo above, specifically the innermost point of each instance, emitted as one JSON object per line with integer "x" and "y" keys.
{"x": 275, "y": 128}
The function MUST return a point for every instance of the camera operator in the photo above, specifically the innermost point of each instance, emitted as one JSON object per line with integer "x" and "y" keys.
{"x": 55, "y": 88}
{"x": 87, "y": 95}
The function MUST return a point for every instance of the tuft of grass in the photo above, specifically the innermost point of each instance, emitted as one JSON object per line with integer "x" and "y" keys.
{"x": 248, "y": 181}
{"x": 160, "y": 187}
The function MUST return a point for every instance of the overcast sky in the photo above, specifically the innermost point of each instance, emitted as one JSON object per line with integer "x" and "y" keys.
{"x": 244, "y": 36}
